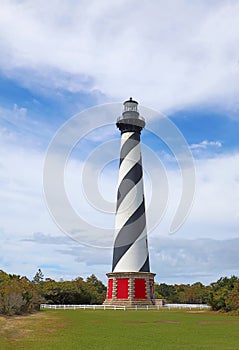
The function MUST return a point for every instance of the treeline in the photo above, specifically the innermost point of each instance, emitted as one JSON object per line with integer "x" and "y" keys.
{"x": 19, "y": 295}
{"x": 221, "y": 295}
{"x": 78, "y": 291}
{"x": 195, "y": 293}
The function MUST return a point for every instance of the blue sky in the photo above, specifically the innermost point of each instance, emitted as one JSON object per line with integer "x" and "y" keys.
{"x": 177, "y": 58}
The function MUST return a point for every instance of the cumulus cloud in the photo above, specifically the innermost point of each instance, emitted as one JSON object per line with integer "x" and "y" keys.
{"x": 42, "y": 238}
{"x": 194, "y": 260}
{"x": 169, "y": 55}
{"x": 214, "y": 212}
{"x": 25, "y": 256}
{"x": 174, "y": 260}
{"x": 205, "y": 144}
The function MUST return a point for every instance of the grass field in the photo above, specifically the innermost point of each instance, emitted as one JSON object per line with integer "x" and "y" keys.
{"x": 103, "y": 330}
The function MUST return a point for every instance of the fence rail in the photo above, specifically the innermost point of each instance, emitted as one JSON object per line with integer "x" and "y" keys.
{"x": 118, "y": 307}
{"x": 187, "y": 306}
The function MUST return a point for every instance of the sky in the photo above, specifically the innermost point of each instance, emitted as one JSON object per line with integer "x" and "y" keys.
{"x": 180, "y": 61}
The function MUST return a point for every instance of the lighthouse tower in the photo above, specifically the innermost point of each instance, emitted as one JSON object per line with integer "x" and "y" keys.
{"x": 130, "y": 282}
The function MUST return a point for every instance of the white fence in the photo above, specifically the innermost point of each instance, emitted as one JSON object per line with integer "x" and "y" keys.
{"x": 187, "y": 306}
{"x": 118, "y": 307}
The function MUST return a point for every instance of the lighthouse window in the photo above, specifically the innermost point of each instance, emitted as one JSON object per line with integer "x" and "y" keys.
{"x": 131, "y": 108}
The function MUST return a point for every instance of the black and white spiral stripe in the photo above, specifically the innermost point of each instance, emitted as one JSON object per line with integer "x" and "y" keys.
{"x": 130, "y": 246}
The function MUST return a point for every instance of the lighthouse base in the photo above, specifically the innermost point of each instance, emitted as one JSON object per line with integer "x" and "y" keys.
{"x": 130, "y": 288}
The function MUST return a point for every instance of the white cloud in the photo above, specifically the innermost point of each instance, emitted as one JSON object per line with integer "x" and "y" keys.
{"x": 215, "y": 210}
{"x": 174, "y": 260}
{"x": 179, "y": 260}
{"x": 17, "y": 128}
{"x": 26, "y": 256}
{"x": 205, "y": 144}
{"x": 168, "y": 54}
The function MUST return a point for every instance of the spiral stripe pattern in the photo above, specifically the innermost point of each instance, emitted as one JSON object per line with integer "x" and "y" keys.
{"x": 130, "y": 245}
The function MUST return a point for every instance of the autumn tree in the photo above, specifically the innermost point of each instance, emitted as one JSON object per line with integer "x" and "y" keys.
{"x": 17, "y": 295}
{"x": 224, "y": 294}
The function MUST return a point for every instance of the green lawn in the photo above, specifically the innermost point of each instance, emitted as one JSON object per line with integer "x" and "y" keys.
{"x": 103, "y": 330}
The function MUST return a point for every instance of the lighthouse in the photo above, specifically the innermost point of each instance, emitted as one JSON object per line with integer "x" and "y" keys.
{"x": 130, "y": 282}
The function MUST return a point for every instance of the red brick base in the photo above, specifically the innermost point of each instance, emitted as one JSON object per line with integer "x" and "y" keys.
{"x": 130, "y": 288}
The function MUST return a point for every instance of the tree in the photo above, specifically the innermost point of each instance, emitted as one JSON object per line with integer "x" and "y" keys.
{"x": 167, "y": 292}
{"x": 224, "y": 294}
{"x": 38, "y": 278}
{"x": 17, "y": 295}
{"x": 232, "y": 300}
{"x": 97, "y": 290}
